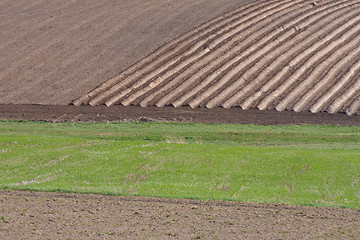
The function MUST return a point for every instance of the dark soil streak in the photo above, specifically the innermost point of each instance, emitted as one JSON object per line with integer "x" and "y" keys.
{"x": 170, "y": 114}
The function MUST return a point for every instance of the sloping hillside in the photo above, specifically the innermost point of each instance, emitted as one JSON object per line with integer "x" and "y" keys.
{"x": 52, "y": 52}
{"x": 283, "y": 54}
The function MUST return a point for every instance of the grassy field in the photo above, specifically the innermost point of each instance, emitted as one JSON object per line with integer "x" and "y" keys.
{"x": 308, "y": 165}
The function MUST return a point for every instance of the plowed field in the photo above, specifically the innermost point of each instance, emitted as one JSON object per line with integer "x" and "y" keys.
{"x": 295, "y": 55}
{"x": 31, "y": 215}
{"x": 52, "y": 52}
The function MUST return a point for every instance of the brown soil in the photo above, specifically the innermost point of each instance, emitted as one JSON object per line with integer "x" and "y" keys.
{"x": 184, "y": 114}
{"x": 32, "y": 215}
{"x": 52, "y": 53}
{"x": 265, "y": 55}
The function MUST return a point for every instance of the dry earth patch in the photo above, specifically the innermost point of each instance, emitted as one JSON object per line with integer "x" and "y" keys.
{"x": 34, "y": 215}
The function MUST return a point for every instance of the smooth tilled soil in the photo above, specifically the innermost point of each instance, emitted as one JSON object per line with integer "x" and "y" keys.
{"x": 52, "y": 52}
{"x": 31, "y": 215}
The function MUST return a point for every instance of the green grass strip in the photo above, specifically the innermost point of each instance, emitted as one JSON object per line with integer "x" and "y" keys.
{"x": 307, "y": 164}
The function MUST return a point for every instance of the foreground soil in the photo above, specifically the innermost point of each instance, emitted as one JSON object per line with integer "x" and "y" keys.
{"x": 35, "y": 215}
{"x": 69, "y": 113}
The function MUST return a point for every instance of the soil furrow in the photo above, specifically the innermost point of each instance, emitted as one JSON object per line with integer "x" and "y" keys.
{"x": 335, "y": 90}
{"x": 194, "y": 54}
{"x": 216, "y": 57}
{"x": 234, "y": 53}
{"x": 296, "y": 55}
{"x": 251, "y": 92}
{"x": 242, "y": 64}
{"x": 254, "y": 94}
{"x": 94, "y": 40}
{"x": 353, "y": 89}
{"x": 313, "y": 61}
{"x": 323, "y": 34}
{"x": 165, "y": 53}
{"x": 71, "y": 59}
{"x": 196, "y": 102}
{"x": 338, "y": 52}
{"x": 346, "y": 106}
{"x": 19, "y": 8}
{"x": 354, "y": 108}
{"x": 278, "y": 56}
{"x": 30, "y": 20}
{"x": 328, "y": 80}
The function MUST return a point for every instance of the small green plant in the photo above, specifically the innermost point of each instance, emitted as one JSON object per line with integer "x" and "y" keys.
{"x": 110, "y": 233}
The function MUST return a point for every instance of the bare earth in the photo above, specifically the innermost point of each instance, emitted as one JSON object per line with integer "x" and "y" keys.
{"x": 70, "y": 113}
{"x": 32, "y": 215}
{"x": 283, "y": 55}
{"x": 54, "y": 52}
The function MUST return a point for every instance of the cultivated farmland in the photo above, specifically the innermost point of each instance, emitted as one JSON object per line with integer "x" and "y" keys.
{"x": 53, "y": 52}
{"x": 268, "y": 62}
{"x": 293, "y": 55}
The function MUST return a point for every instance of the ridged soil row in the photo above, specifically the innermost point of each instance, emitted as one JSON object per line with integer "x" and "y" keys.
{"x": 267, "y": 88}
{"x": 201, "y": 49}
{"x": 316, "y": 72}
{"x": 164, "y": 102}
{"x": 131, "y": 75}
{"x": 279, "y": 54}
{"x": 272, "y": 60}
{"x": 270, "y": 35}
{"x": 346, "y": 94}
{"x": 167, "y": 70}
{"x": 213, "y": 59}
{"x": 244, "y": 57}
{"x": 310, "y": 99}
{"x": 219, "y": 96}
{"x": 232, "y": 67}
{"x": 354, "y": 107}
{"x": 345, "y": 82}
{"x": 216, "y": 48}
{"x": 354, "y": 20}
{"x": 165, "y": 52}
{"x": 321, "y": 66}
{"x": 249, "y": 92}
